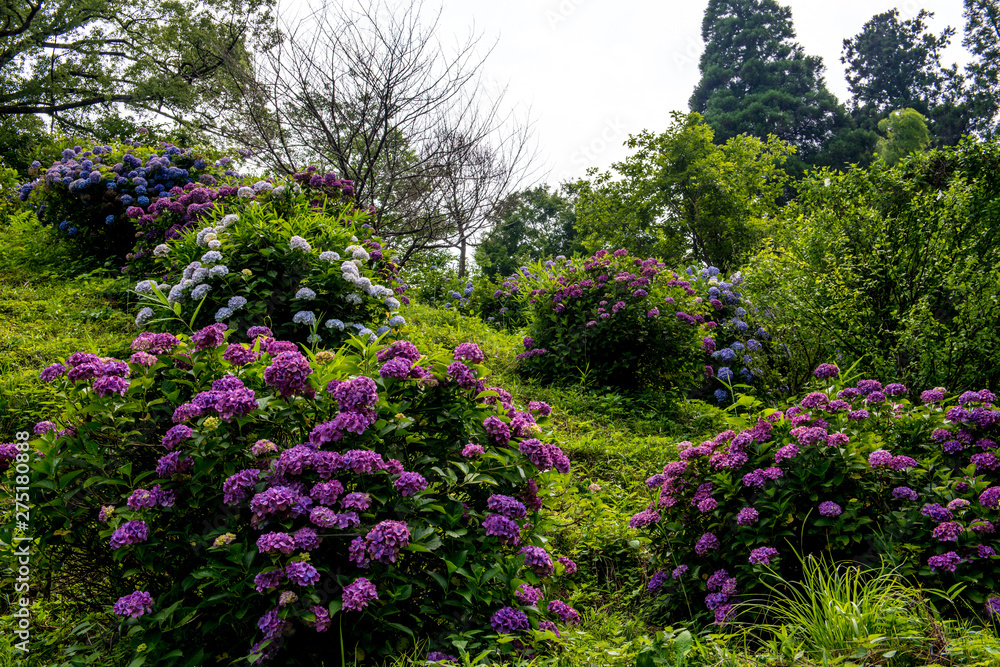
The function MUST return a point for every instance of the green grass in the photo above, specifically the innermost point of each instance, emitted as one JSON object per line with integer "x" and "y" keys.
{"x": 52, "y": 304}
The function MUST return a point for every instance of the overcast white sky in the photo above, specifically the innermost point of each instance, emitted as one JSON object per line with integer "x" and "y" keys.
{"x": 594, "y": 71}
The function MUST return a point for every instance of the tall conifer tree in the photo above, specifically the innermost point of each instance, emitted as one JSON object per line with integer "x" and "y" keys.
{"x": 757, "y": 80}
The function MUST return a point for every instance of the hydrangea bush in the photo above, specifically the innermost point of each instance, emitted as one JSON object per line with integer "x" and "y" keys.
{"x": 497, "y": 303}
{"x": 739, "y": 345}
{"x": 301, "y": 270}
{"x": 121, "y": 200}
{"x": 228, "y": 495}
{"x": 615, "y": 319}
{"x": 857, "y": 471}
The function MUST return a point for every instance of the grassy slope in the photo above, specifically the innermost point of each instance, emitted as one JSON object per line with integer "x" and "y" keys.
{"x": 51, "y": 306}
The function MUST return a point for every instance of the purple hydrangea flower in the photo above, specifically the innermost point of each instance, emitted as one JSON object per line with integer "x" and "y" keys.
{"x": 275, "y": 541}
{"x": 301, "y": 573}
{"x": 509, "y": 621}
{"x": 830, "y": 509}
{"x": 826, "y": 371}
{"x": 265, "y": 581}
{"x": 528, "y": 595}
{"x": 134, "y": 604}
{"x": 644, "y": 518}
{"x": 948, "y": 531}
{"x": 497, "y": 430}
{"x": 358, "y": 594}
{"x": 904, "y": 493}
{"x": 410, "y": 483}
{"x": 504, "y": 528}
{"x": 706, "y": 543}
{"x": 131, "y": 532}
{"x": 763, "y": 555}
{"x": 566, "y": 614}
{"x": 289, "y": 373}
{"x": 679, "y": 571}
{"x": 538, "y": 560}
{"x": 470, "y": 352}
{"x": 507, "y": 506}
{"x": 947, "y": 561}
{"x": 472, "y": 450}
{"x": 747, "y": 516}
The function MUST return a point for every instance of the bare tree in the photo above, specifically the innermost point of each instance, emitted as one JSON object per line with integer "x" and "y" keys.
{"x": 371, "y": 93}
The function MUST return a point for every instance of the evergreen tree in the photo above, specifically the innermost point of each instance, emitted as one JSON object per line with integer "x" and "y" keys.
{"x": 757, "y": 80}
{"x": 982, "y": 38}
{"x": 894, "y": 64}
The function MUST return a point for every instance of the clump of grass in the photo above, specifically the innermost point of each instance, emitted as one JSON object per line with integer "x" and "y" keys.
{"x": 841, "y": 613}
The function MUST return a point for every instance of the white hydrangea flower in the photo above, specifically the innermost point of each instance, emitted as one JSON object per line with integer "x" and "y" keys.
{"x": 185, "y": 284}
{"x": 212, "y": 257}
{"x": 299, "y": 243}
{"x": 144, "y": 316}
{"x": 223, "y": 314}
{"x": 214, "y": 244}
{"x": 354, "y": 298}
{"x": 364, "y": 282}
{"x": 392, "y": 303}
{"x": 305, "y": 293}
{"x": 200, "y": 238}
{"x": 357, "y": 325}
{"x": 349, "y": 267}
{"x": 144, "y": 287}
{"x": 200, "y": 292}
{"x": 313, "y": 338}
{"x": 227, "y": 220}
{"x": 236, "y": 302}
{"x": 199, "y": 275}
{"x": 262, "y": 186}
{"x": 335, "y": 324}
{"x": 372, "y": 290}
{"x": 245, "y": 192}
{"x": 161, "y": 250}
{"x": 218, "y": 271}
{"x": 189, "y": 269}
{"x": 304, "y": 317}
{"x": 329, "y": 256}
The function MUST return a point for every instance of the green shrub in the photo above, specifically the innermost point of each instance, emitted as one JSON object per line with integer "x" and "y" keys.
{"x": 612, "y": 320}
{"x": 857, "y": 472}
{"x": 278, "y": 265}
{"x": 190, "y": 460}
{"x": 896, "y": 267}
{"x": 119, "y": 201}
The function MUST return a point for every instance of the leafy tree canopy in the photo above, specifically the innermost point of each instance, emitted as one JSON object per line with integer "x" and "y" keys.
{"x": 982, "y": 38}
{"x": 68, "y": 57}
{"x": 535, "y": 223}
{"x": 683, "y": 198}
{"x": 905, "y": 132}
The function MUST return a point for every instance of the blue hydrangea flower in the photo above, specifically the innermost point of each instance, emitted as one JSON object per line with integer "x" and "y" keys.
{"x": 335, "y": 324}
{"x": 212, "y": 257}
{"x": 304, "y": 317}
{"x": 223, "y": 314}
{"x": 142, "y": 201}
{"x": 144, "y": 316}
{"x": 72, "y": 231}
{"x": 108, "y": 220}
{"x": 64, "y": 225}
{"x": 381, "y": 330}
{"x": 199, "y": 292}
{"x": 305, "y": 293}
{"x": 218, "y": 271}
{"x": 725, "y": 374}
{"x": 721, "y": 395}
{"x": 397, "y": 321}
{"x": 236, "y": 302}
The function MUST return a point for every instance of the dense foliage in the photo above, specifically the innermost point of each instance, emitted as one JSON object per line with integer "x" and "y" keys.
{"x": 612, "y": 319}
{"x": 211, "y": 485}
{"x": 275, "y": 263}
{"x": 896, "y": 267}
{"x": 857, "y": 473}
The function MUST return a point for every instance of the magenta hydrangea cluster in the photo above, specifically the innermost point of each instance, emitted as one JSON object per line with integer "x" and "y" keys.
{"x": 296, "y": 494}
{"x": 827, "y": 469}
